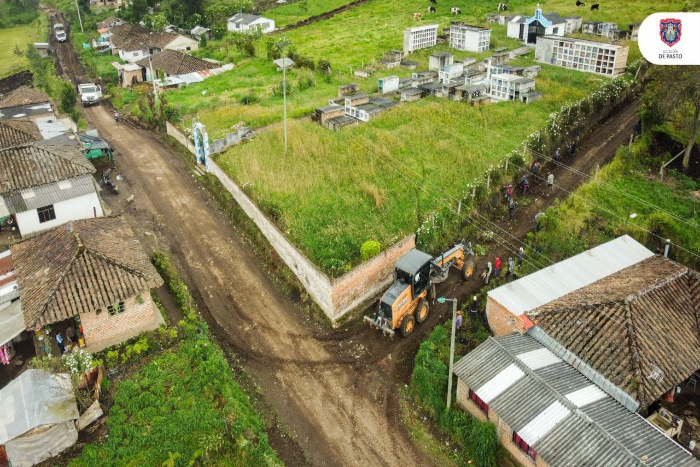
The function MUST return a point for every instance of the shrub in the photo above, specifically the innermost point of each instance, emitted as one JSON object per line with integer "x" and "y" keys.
{"x": 68, "y": 99}
{"x": 370, "y": 249}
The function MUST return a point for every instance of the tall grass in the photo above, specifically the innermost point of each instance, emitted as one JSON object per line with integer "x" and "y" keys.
{"x": 20, "y": 36}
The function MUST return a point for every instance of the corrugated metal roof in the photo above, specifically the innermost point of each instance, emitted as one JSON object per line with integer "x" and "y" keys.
{"x": 499, "y": 383}
{"x": 540, "y": 358}
{"x": 50, "y": 127}
{"x": 11, "y": 322}
{"x": 564, "y": 277}
{"x": 50, "y": 193}
{"x": 582, "y": 428}
{"x": 587, "y": 395}
{"x": 543, "y": 423}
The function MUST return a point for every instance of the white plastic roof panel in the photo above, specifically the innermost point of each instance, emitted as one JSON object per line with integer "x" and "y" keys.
{"x": 540, "y": 358}
{"x": 551, "y": 283}
{"x": 499, "y": 383}
{"x": 587, "y": 395}
{"x": 35, "y": 398}
{"x": 543, "y": 423}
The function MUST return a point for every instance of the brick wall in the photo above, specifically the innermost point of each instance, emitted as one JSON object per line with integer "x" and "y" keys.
{"x": 335, "y": 298}
{"x": 103, "y": 330}
{"x": 498, "y": 317}
{"x": 503, "y": 431}
{"x": 370, "y": 278}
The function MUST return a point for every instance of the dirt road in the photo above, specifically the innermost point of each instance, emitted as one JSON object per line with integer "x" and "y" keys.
{"x": 335, "y": 392}
{"x": 338, "y": 409}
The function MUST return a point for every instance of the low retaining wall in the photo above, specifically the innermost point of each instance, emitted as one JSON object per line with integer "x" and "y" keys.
{"x": 336, "y": 297}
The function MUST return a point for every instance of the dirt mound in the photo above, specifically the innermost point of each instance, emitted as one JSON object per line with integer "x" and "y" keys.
{"x": 17, "y": 80}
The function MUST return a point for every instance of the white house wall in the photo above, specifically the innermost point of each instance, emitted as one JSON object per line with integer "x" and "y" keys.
{"x": 133, "y": 56}
{"x": 183, "y": 44}
{"x": 82, "y": 207}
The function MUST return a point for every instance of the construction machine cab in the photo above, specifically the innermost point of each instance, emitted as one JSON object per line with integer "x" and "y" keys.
{"x": 414, "y": 269}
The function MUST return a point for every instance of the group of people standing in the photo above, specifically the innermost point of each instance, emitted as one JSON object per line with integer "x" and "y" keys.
{"x": 497, "y": 265}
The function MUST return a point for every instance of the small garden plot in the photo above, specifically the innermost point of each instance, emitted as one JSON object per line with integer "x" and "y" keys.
{"x": 380, "y": 180}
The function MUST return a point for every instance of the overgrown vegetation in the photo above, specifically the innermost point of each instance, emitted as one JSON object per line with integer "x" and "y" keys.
{"x": 18, "y": 12}
{"x": 182, "y": 406}
{"x": 476, "y": 441}
{"x": 628, "y": 198}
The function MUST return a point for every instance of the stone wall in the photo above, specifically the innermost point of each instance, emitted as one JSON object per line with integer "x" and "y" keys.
{"x": 336, "y": 297}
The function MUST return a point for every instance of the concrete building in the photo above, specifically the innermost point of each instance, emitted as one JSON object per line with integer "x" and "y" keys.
{"x": 450, "y": 72}
{"x": 551, "y": 409}
{"x": 470, "y": 38}
{"x": 43, "y": 187}
{"x": 388, "y": 84}
{"x": 244, "y": 22}
{"x": 589, "y": 56}
{"x": 419, "y": 37}
{"x": 540, "y": 24}
{"x": 179, "y": 65}
{"x": 438, "y": 61}
{"x": 97, "y": 274}
{"x": 573, "y": 24}
{"x": 505, "y": 87}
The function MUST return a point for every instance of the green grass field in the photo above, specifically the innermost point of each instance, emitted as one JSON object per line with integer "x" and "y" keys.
{"x": 293, "y": 13}
{"x": 21, "y": 36}
{"x": 335, "y": 190}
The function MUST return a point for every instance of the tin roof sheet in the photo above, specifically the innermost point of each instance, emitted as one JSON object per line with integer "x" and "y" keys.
{"x": 561, "y": 414}
{"x": 571, "y": 274}
{"x": 540, "y": 358}
{"x": 499, "y": 383}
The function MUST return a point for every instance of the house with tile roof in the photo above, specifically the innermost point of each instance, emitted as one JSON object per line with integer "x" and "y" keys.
{"x": 550, "y": 411}
{"x": 133, "y": 42}
{"x": 93, "y": 271}
{"x": 26, "y": 102}
{"x": 18, "y": 132}
{"x": 173, "y": 63}
{"x": 540, "y": 24}
{"x": 43, "y": 186}
{"x": 629, "y": 314}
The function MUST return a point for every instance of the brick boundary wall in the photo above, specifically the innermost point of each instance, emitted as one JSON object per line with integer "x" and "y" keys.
{"x": 336, "y": 297}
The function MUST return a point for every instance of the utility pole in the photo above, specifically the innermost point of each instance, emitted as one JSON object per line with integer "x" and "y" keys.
{"x": 79, "y": 19}
{"x": 284, "y": 45}
{"x": 452, "y": 346}
{"x": 150, "y": 66}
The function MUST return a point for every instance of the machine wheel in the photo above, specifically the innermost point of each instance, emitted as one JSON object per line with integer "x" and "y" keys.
{"x": 468, "y": 269}
{"x": 407, "y": 325}
{"x": 422, "y": 311}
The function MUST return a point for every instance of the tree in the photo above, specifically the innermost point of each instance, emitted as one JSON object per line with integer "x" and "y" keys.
{"x": 68, "y": 98}
{"x": 675, "y": 88}
{"x": 138, "y": 9}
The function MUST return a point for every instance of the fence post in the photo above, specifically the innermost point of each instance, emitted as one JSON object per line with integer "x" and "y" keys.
{"x": 488, "y": 181}
{"x": 459, "y": 207}
{"x": 506, "y": 169}
{"x": 597, "y": 168}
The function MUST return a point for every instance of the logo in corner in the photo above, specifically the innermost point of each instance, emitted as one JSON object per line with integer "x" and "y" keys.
{"x": 670, "y": 31}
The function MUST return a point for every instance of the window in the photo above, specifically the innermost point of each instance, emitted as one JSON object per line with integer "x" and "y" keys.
{"x": 524, "y": 446}
{"x": 477, "y": 400}
{"x": 46, "y": 213}
{"x": 115, "y": 308}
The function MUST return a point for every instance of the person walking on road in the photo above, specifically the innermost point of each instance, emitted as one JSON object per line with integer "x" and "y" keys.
{"x": 524, "y": 184}
{"x": 116, "y": 117}
{"x": 511, "y": 208}
{"x": 509, "y": 192}
{"x": 509, "y": 269}
{"x": 536, "y": 168}
{"x": 497, "y": 267}
{"x": 487, "y": 274}
{"x": 521, "y": 256}
{"x": 474, "y": 308}
{"x": 557, "y": 156}
{"x": 550, "y": 180}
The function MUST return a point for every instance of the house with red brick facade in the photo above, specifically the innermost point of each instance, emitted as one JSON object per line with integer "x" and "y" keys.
{"x": 90, "y": 274}
{"x": 629, "y": 314}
